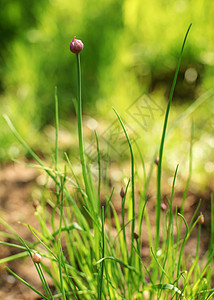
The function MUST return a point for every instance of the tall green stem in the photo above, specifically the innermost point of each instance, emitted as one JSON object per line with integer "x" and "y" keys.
{"x": 80, "y": 133}
{"x": 133, "y": 186}
{"x": 158, "y": 206}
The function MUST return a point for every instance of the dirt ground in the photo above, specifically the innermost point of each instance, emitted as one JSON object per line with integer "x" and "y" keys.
{"x": 16, "y": 205}
{"x": 16, "y": 182}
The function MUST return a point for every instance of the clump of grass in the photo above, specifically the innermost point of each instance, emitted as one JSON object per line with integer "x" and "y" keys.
{"x": 86, "y": 260}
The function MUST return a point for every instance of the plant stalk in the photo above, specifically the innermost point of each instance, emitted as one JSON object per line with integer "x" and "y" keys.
{"x": 80, "y": 133}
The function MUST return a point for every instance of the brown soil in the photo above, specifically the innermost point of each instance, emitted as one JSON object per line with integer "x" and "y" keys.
{"x": 16, "y": 184}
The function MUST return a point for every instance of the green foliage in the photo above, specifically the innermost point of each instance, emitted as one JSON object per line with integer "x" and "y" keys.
{"x": 86, "y": 260}
{"x": 94, "y": 265}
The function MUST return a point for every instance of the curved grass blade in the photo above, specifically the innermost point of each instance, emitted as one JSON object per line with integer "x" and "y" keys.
{"x": 133, "y": 186}
{"x": 117, "y": 261}
{"x": 168, "y": 287}
{"x": 158, "y": 206}
{"x": 27, "y": 148}
{"x": 27, "y": 284}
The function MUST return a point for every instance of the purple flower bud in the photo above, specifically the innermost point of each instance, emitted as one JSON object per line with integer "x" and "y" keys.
{"x": 163, "y": 206}
{"x": 122, "y": 193}
{"x": 35, "y": 204}
{"x": 136, "y": 236}
{"x": 201, "y": 220}
{"x": 157, "y": 161}
{"x": 76, "y": 46}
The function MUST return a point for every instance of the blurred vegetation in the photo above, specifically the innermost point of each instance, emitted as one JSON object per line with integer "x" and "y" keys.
{"x": 131, "y": 47}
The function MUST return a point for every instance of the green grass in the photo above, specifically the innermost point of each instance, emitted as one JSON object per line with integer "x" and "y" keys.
{"x": 87, "y": 261}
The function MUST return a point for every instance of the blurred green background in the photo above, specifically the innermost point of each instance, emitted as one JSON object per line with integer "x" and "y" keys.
{"x": 131, "y": 49}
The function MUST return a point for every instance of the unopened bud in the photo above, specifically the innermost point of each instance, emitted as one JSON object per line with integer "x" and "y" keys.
{"x": 136, "y": 236}
{"x": 163, "y": 206}
{"x": 37, "y": 258}
{"x": 157, "y": 160}
{"x": 122, "y": 193}
{"x": 76, "y": 46}
{"x": 201, "y": 220}
{"x": 35, "y": 204}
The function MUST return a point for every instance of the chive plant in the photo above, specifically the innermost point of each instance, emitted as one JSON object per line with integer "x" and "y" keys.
{"x": 86, "y": 260}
